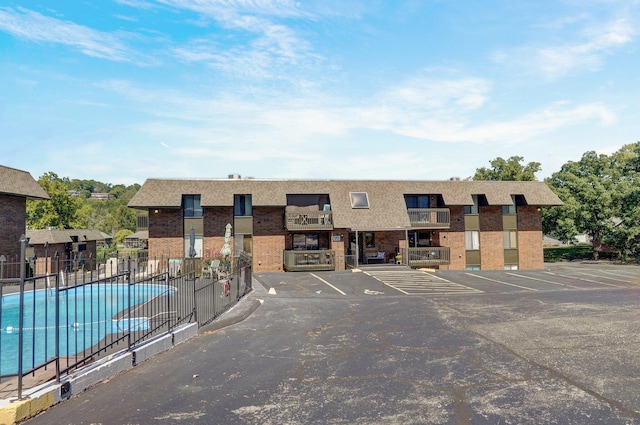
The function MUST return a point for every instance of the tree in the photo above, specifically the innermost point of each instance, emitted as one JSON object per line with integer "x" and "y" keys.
{"x": 120, "y": 235}
{"x": 71, "y": 205}
{"x": 588, "y": 189}
{"x": 625, "y": 236}
{"x": 59, "y": 211}
{"x": 509, "y": 169}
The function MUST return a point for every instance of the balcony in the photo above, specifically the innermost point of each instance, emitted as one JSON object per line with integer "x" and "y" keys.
{"x": 426, "y": 256}
{"x": 308, "y": 219}
{"x": 320, "y": 260}
{"x": 429, "y": 218}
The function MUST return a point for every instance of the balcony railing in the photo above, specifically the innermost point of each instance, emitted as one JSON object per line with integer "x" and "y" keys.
{"x": 426, "y": 256}
{"x": 308, "y": 220}
{"x": 320, "y": 260}
{"x": 429, "y": 218}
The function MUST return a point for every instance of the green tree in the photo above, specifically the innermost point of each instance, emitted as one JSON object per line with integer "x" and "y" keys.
{"x": 625, "y": 236}
{"x": 118, "y": 238}
{"x": 59, "y": 211}
{"x": 508, "y": 169}
{"x": 588, "y": 189}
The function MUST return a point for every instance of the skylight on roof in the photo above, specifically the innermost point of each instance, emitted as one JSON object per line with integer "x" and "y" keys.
{"x": 359, "y": 199}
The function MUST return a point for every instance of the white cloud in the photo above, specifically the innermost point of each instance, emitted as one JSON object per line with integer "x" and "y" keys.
{"x": 428, "y": 110}
{"x": 588, "y": 52}
{"x": 33, "y": 26}
{"x": 537, "y": 123}
{"x": 438, "y": 94}
{"x": 226, "y": 9}
{"x": 273, "y": 50}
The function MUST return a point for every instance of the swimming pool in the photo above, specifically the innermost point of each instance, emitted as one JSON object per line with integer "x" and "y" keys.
{"x": 86, "y": 315}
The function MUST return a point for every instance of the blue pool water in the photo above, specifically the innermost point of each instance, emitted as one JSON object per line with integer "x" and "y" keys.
{"x": 86, "y": 316}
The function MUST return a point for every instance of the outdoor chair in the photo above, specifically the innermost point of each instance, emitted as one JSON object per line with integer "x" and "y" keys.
{"x": 215, "y": 269}
{"x": 206, "y": 270}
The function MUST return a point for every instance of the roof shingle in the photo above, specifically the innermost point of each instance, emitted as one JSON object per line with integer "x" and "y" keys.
{"x": 387, "y": 208}
{"x": 20, "y": 183}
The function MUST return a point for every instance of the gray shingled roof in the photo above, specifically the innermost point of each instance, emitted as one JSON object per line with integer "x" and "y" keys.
{"x": 386, "y": 197}
{"x": 20, "y": 183}
{"x": 53, "y": 236}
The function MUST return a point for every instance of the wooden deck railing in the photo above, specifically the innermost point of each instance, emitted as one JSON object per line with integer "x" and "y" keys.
{"x": 319, "y": 260}
{"x": 426, "y": 256}
{"x": 429, "y": 218}
{"x": 308, "y": 220}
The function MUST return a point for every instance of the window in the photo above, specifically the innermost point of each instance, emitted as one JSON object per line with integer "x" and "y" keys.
{"x": 420, "y": 239}
{"x": 417, "y": 201}
{"x": 510, "y": 209}
{"x": 305, "y": 241}
{"x": 472, "y": 209}
{"x": 369, "y": 240}
{"x": 191, "y": 206}
{"x": 511, "y": 267}
{"x": 510, "y": 239}
{"x": 472, "y": 240}
{"x": 242, "y": 206}
{"x": 359, "y": 199}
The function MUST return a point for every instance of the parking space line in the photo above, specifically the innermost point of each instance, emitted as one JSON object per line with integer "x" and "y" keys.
{"x": 616, "y": 278}
{"x": 542, "y": 280}
{"x": 585, "y": 280}
{"x": 504, "y": 283}
{"x": 324, "y": 281}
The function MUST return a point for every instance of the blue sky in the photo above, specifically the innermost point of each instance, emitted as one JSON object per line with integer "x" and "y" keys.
{"x": 124, "y": 90}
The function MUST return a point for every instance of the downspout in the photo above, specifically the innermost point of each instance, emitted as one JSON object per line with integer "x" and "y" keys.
{"x": 357, "y": 250}
{"x": 405, "y": 257}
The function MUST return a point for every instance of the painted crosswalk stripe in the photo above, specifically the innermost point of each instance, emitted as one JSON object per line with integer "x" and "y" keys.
{"x": 413, "y": 282}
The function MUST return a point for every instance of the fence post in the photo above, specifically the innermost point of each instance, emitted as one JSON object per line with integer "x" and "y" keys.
{"x": 23, "y": 273}
{"x": 57, "y": 315}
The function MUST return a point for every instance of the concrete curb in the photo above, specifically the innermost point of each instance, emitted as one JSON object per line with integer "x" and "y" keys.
{"x": 229, "y": 318}
{"x": 39, "y": 399}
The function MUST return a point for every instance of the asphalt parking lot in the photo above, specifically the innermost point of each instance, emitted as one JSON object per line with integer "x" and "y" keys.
{"x": 392, "y": 280}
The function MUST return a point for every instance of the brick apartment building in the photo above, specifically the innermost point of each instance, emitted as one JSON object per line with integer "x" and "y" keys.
{"x": 326, "y": 224}
{"x": 16, "y": 187}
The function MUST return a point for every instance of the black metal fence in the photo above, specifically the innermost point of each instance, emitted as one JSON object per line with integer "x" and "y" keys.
{"x": 54, "y": 322}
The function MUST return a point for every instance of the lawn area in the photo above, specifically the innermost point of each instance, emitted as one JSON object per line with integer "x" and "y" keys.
{"x": 554, "y": 254}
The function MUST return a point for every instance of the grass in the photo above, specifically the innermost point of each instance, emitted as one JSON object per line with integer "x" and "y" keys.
{"x": 554, "y": 254}
{"x": 568, "y": 253}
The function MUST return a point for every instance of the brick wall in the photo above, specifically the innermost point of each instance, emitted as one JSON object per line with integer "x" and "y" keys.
{"x": 491, "y": 238}
{"x": 454, "y": 239}
{"x": 13, "y": 224}
{"x": 166, "y": 234}
{"x": 268, "y": 253}
{"x": 269, "y": 238}
{"x": 388, "y": 242}
{"x": 214, "y": 224}
{"x": 530, "y": 251}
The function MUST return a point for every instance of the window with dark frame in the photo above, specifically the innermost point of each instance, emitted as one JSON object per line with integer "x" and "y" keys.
{"x": 472, "y": 209}
{"x": 305, "y": 241}
{"x": 191, "y": 206}
{"x": 242, "y": 206}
